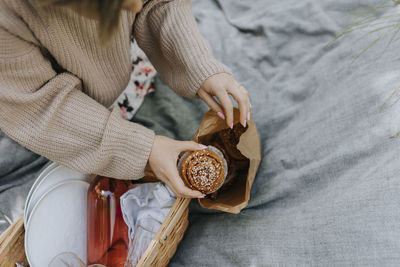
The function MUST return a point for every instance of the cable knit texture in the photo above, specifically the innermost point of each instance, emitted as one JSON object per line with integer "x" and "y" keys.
{"x": 56, "y": 81}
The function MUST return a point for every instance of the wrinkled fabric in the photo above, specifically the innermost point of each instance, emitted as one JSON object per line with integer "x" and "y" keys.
{"x": 18, "y": 169}
{"x": 327, "y": 191}
{"x": 144, "y": 209}
{"x": 148, "y": 200}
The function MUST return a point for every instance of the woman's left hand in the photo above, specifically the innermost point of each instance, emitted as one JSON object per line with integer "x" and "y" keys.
{"x": 220, "y": 85}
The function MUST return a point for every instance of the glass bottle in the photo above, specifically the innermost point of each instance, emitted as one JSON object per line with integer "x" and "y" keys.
{"x": 107, "y": 233}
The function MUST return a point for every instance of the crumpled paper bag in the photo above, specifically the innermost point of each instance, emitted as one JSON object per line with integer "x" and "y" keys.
{"x": 237, "y": 196}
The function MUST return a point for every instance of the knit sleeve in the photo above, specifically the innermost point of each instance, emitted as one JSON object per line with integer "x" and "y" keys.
{"x": 167, "y": 32}
{"x": 48, "y": 113}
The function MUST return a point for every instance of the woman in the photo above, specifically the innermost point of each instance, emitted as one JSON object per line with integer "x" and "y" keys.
{"x": 63, "y": 62}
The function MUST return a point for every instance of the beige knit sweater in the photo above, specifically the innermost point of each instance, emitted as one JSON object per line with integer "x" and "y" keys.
{"x": 56, "y": 81}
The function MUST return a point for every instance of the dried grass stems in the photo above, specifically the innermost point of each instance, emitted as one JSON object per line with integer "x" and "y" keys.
{"x": 386, "y": 27}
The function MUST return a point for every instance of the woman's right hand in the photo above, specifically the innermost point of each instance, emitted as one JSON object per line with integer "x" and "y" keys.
{"x": 163, "y": 159}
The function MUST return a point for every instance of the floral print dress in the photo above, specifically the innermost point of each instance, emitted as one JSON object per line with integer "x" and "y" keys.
{"x": 140, "y": 84}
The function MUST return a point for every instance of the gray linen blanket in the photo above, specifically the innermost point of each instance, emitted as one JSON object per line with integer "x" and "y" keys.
{"x": 327, "y": 191}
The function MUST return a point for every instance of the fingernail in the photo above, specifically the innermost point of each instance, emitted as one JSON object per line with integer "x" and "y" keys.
{"x": 202, "y": 146}
{"x": 248, "y": 115}
{"x": 202, "y": 196}
{"x": 232, "y": 125}
{"x": 219, "y": 113}
{"x": 244, "y": 123}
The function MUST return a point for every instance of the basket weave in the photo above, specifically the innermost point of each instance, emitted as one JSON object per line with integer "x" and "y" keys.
{"x": 159, "y": 252}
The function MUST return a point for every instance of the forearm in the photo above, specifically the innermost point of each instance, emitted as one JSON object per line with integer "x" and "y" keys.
{"x": 167, "y": 32}
{"x": 50, "y": 115}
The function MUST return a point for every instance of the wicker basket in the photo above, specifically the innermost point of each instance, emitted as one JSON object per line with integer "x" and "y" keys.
{"x": 159, "y": 252}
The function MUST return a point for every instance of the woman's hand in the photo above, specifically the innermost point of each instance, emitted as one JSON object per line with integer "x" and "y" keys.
{"x": 220, "y": 85}
{"x": 163, "y": 159}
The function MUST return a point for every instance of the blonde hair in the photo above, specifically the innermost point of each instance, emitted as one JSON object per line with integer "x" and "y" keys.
{"x": 106, "y": 11}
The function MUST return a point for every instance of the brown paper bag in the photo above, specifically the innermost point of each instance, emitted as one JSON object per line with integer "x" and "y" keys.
{"x": 237, "y": 196}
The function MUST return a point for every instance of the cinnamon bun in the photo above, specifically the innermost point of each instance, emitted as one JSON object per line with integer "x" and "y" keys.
{"x": 203, "y": 170}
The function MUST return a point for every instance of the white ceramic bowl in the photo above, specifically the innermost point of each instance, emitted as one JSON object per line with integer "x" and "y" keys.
{"x": 44, "y": 171}
{"x": 51, "y": 176}
{"x": 57, "y": 223}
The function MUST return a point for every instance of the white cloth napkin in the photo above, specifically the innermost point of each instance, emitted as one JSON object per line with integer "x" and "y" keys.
{"x": 148, "y": 200}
